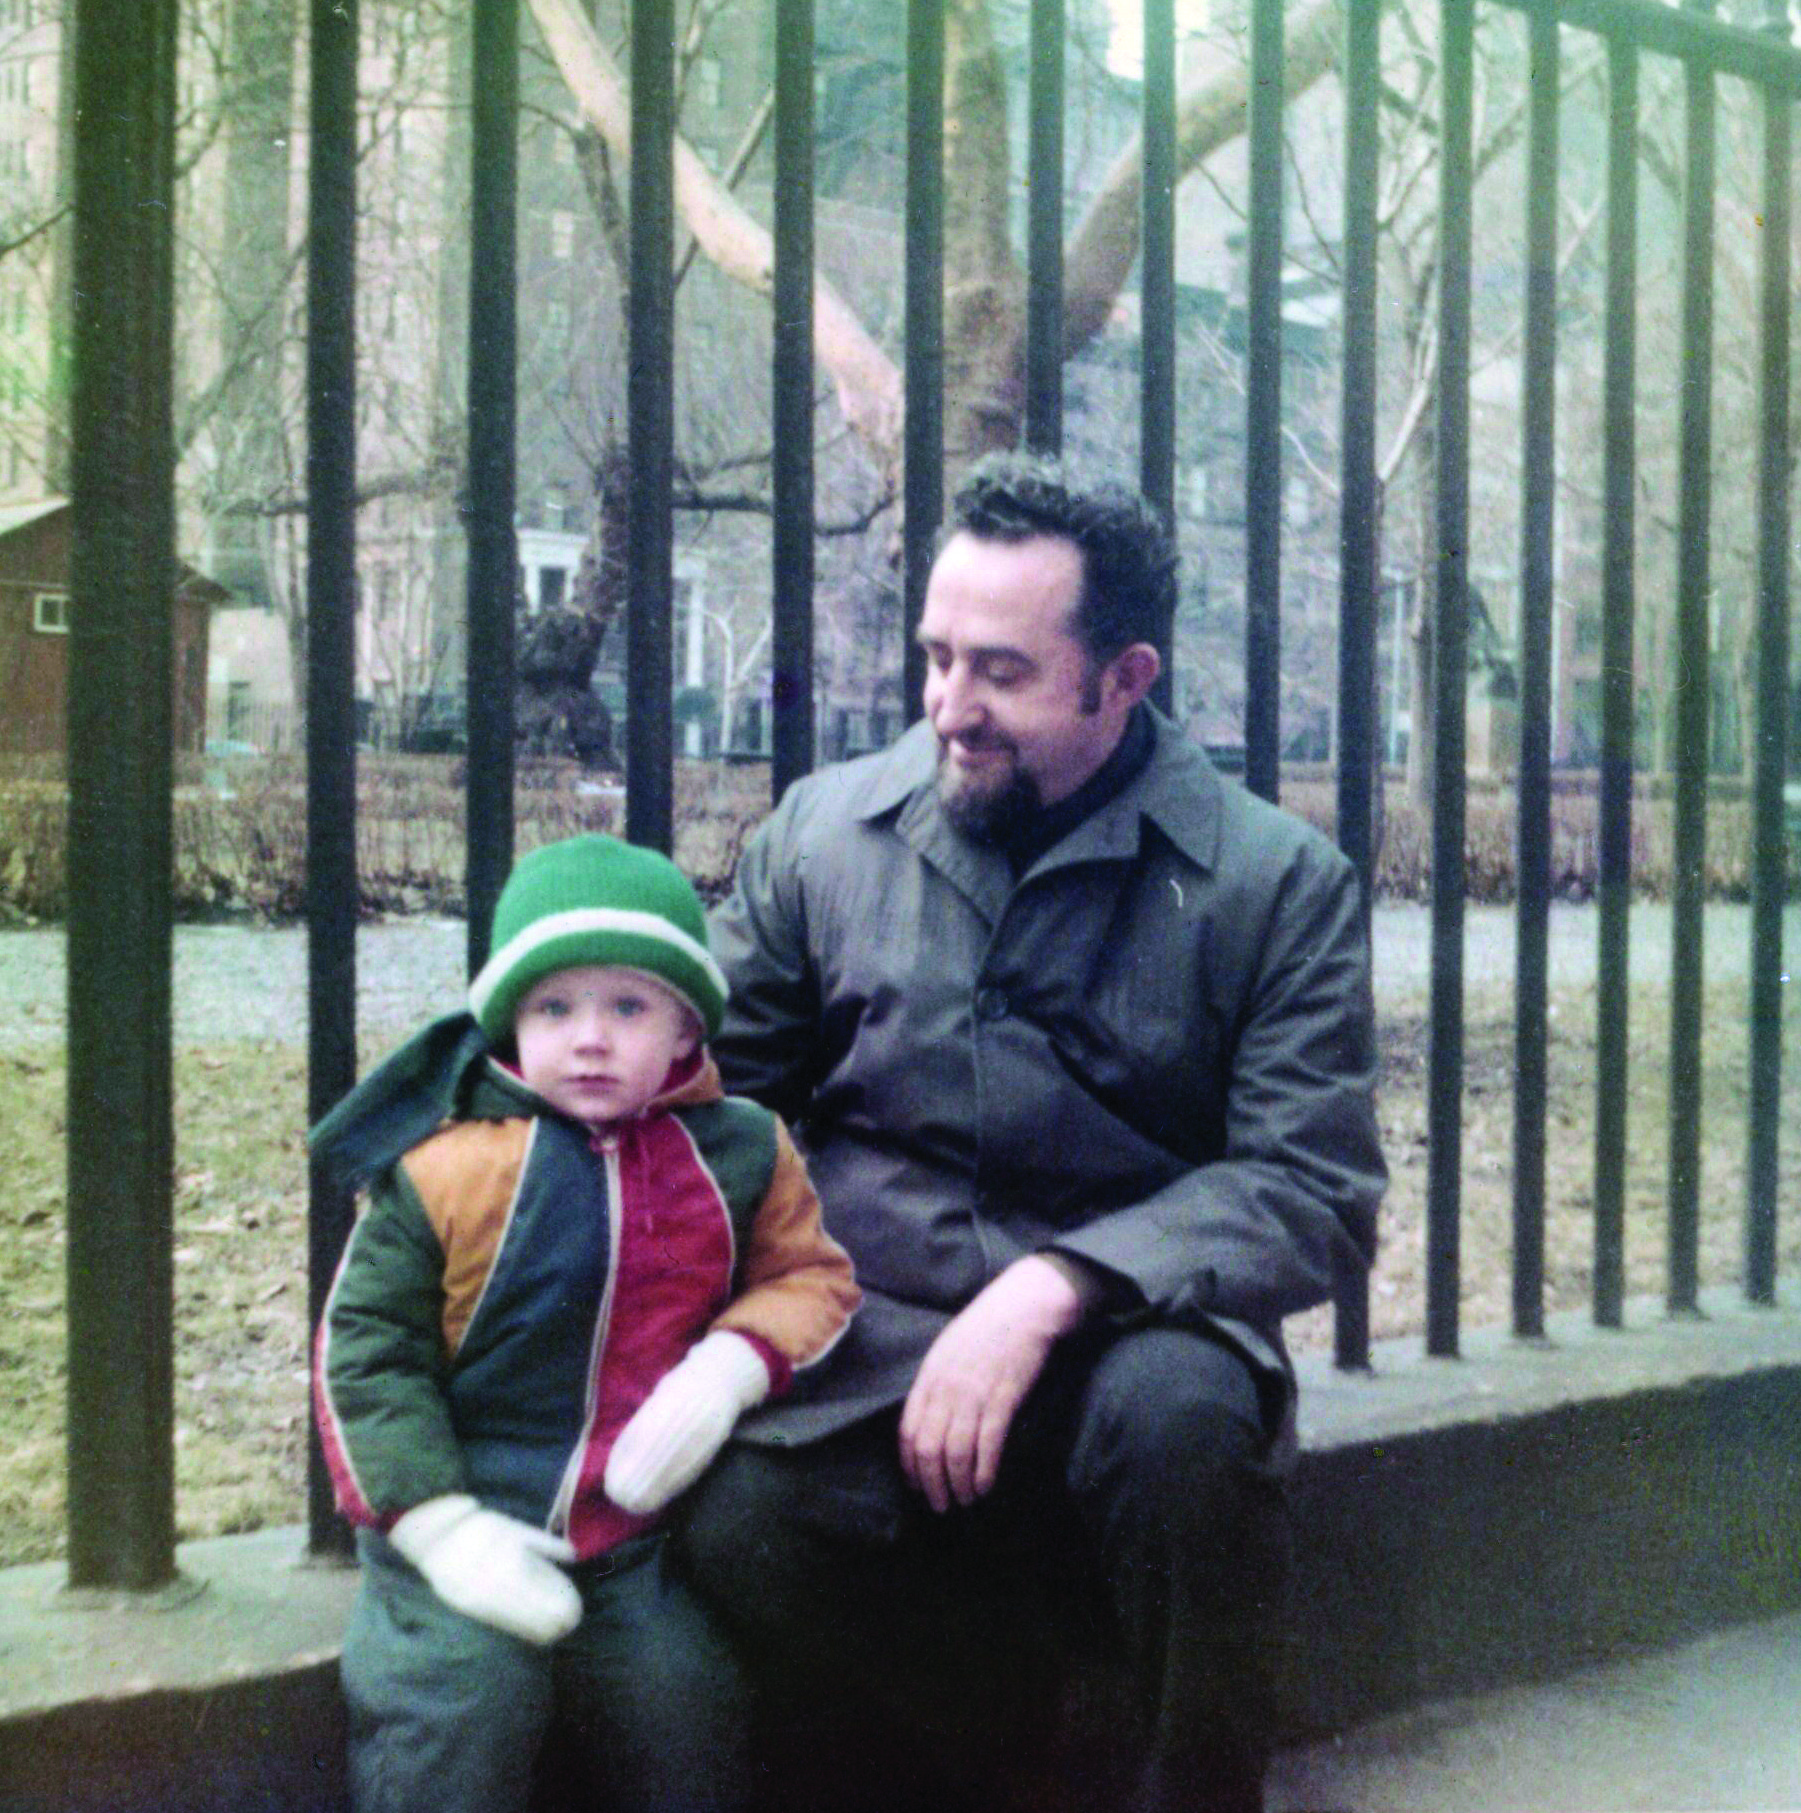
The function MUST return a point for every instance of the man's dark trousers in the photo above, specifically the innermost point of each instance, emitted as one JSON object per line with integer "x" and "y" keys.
{"x": 1136, "y": 1512}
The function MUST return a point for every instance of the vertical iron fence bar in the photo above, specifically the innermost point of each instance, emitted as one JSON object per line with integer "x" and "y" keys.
{"x": 650, "y": 435}
{"x": 1157, "y": 297}
{"x": 1444, "y": 1078}
{"x": 1358, "y": 774}
{"x": 1263, "y": 411}
{"x": 923, "y": 476}
{"x": 1769, "y": 855}
{"x": 488, "y": 505}
{"x": 1044, "y": 231}
{"x": 792, "y": 406}
{"x": 120, "y": 1142}
{"x": 1619, "y": 460}
{"x": 1689, "y": 877}
{"x": 331, "y": 879}
{"x": 1533, "y": 808}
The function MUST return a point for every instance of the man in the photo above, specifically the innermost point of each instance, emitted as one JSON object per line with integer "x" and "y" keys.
{"x": 1079, "y": 1041}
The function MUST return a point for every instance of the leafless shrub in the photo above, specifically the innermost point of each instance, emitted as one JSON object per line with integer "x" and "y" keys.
{"x": 240, "y": 835}
{"x": 1491, "y": 828}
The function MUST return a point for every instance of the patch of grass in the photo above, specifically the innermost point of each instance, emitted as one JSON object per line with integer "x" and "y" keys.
{"x": 241, "y": 1401}
{"x": 240, "y": 1294}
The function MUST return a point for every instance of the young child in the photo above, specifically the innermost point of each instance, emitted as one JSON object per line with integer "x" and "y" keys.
{"x": 544, "y": 1326}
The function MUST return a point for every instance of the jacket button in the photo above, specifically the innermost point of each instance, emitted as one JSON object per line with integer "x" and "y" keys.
{"x": 991, "y": 1003}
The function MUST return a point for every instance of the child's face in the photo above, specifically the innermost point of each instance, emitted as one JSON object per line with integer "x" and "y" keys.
{"x": 598, "y": 1041}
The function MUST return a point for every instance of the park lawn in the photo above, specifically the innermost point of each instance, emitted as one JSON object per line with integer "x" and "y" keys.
{"x": 240, "y": 1237}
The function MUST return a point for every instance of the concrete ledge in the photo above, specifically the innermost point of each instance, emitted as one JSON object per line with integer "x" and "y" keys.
{"x": 218, "y": 1695}
{"x": 1510, "y": 1516}
{"x": 1536, "y": 1507}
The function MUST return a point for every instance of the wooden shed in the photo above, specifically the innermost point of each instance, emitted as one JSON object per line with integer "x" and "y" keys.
{"x": 34, "y": 633}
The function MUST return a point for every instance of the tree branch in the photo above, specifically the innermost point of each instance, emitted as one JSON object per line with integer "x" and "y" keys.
{"x": 43, "y": 226}
{"x": 867, "y": 381}
{"x": 749, "y": 503}
{"x": 1104, "y": 245}
{"x": 433, "y": 480}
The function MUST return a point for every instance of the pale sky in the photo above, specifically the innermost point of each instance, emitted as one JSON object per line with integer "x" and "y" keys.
{"x": 1125, "y": 45}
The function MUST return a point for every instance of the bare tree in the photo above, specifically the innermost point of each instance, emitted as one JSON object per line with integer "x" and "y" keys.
{"x": 985, "y": 315}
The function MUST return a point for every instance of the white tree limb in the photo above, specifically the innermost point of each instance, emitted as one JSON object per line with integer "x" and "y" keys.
{"x": 867, "y": 381}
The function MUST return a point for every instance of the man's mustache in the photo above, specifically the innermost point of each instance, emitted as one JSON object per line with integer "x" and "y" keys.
{"x": 980, "y": 739}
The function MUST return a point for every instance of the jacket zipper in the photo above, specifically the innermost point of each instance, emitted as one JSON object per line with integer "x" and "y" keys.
{"x": 565, "y": 1499}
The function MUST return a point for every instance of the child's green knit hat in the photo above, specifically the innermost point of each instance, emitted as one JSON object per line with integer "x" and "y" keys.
{"x": 595, "y": 900}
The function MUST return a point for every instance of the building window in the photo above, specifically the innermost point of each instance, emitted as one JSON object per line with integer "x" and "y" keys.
{"x": 551, "y": 581}
{"x": 50, "y": 613}
{"x": 706, "y": 82}
{"x": 562, "y": 233}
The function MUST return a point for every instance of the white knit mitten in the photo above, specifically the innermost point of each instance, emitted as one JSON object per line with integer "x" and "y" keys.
{"x": 491, "y": 1567}
{"x": 684, "y": 1422}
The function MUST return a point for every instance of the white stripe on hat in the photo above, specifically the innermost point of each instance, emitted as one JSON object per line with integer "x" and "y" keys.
{"x": 589, "y": 919}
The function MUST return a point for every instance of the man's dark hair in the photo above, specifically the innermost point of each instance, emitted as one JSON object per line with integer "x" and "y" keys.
{"x": 1128, "y": 557}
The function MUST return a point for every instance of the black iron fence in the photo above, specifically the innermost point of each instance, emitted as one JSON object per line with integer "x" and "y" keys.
{"x": 119, "y": 1123}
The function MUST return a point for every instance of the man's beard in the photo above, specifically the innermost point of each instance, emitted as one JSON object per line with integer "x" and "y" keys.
{"x": 991, "y": 815}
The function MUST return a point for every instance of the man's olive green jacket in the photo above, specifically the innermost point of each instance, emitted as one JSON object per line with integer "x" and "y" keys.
{"x": 1154, "y": 1052}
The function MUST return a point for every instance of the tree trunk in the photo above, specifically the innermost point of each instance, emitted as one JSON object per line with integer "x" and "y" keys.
{"x": 1421, "y": 740}
{"x": 984, "y": 286}
{"x": 254, "y": 277}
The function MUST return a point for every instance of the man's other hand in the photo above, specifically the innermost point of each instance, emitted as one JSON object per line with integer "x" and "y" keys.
{"x": 977, "y": 1373}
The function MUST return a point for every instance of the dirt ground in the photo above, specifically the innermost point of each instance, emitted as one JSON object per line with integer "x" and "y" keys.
{"x": 241, "y": 1375}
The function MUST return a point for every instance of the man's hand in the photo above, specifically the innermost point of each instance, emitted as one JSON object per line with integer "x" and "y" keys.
{"x": 976, "y": 1374}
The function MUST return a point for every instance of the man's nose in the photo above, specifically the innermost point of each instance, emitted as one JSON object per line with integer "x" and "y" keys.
{"x": 952, "y": 702}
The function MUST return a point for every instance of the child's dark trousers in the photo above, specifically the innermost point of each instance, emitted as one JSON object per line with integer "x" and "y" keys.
{"x": 448, "y": 1715}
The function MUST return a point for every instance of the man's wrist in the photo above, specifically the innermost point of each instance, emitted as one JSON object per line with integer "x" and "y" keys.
{"x": 1098, "y": 1290}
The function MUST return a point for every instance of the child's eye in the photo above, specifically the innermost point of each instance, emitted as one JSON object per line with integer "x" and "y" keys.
{"x": 629, "y": 1006}
{"x": 552, "y": 1007}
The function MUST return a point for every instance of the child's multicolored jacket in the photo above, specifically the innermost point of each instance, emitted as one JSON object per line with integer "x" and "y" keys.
{"x": 516, "y": 1286}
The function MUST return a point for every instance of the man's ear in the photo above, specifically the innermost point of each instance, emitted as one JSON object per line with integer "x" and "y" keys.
{"x": 1134, "y": 672}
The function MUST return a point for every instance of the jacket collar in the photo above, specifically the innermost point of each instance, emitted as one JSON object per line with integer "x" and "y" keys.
{"x": 1178, "y": 790}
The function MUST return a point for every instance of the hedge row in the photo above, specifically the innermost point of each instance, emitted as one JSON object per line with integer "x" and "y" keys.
{"x": 240, "y": 836}
{"x": 1404, "y": 861}
{"x": 240, "y": 833}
